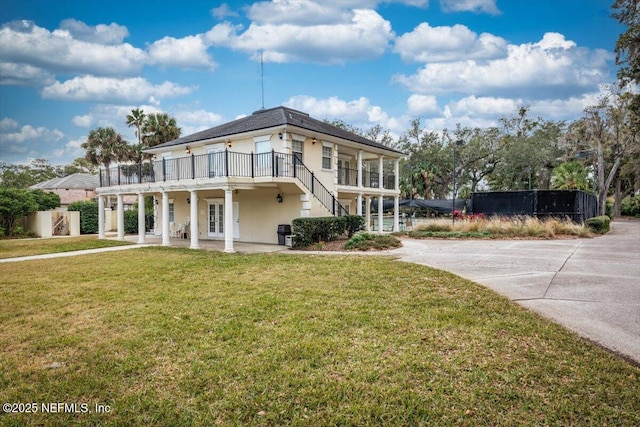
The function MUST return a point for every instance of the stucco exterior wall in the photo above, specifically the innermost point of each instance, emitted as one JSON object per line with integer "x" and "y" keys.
{"x": 259, "y": 213}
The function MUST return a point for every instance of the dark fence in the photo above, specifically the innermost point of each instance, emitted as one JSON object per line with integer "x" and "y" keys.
{"x": 574, "y": 204}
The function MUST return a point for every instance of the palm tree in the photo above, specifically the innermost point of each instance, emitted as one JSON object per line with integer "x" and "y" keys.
{"x": 136, "y": 118}
{"x": 159, "y": 128}
{"x": 104, "y": 146}
{"x": 570, "y": 176}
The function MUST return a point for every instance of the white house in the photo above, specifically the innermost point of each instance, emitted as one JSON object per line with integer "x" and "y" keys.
{"x": 240, "y": 180}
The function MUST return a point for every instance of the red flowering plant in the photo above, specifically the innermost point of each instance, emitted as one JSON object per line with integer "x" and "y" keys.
{"x": 468, "y": 217}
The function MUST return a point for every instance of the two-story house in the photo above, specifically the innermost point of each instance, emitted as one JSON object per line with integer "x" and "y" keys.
{"x": 242, "y": 179}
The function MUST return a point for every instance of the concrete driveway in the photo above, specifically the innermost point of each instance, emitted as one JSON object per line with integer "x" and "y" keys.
{"x": 591, "y": 286}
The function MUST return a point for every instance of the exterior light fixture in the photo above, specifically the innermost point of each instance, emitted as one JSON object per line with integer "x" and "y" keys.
{"x": 187, "y": 150}
{"x": 229, "y": 144}
{"x": 280, "y": 135}
{"x": 279, "y": 198}
{"x": 314, "y": 140}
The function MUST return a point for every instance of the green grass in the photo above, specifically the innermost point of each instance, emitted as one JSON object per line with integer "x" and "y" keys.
{"x": 27, "y": 247}
{"x": 175, "y": 337}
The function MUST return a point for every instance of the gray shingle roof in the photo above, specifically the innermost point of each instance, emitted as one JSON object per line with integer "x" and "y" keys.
{"x": 83, "y": 181}
{"x": 273, "y": 117}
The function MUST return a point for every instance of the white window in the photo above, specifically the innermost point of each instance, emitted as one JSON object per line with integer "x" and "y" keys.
{"x": 297, "y": 148}
{"x": 326, "y": 157}
{"x": 172, "y": 214}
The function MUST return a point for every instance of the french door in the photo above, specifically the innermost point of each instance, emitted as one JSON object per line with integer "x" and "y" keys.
{"x": 215, "y": 222}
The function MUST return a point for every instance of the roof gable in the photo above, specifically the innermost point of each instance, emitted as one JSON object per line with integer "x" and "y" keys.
{"x": 273, "y": 117}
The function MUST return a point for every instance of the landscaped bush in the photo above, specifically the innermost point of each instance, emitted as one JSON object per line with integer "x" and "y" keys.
{"x": 599, "y": 224}
{"x": 88, "y": 216}
{"x": 355, "y": 223}
{"x": 630, "y": 206}
{"x": 131, "y": 222}
{"x": 366, "y": 241}
{"x": 307, "y": 231}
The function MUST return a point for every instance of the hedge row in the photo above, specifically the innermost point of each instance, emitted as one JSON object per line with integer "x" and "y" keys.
{"x": 599, "y": 224}
{"x": 307, "y": 231}
{"x": 631, "y": 206}
{"x": 89, "y": 218}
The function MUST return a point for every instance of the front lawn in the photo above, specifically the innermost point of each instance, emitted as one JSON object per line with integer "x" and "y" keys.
{"x": 175, "y": 337}
{"x": 28, "y": 247}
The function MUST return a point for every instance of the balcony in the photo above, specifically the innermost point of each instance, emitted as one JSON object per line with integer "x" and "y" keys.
{"x": 349, "y": 177}
{"x": 230, "y": 164}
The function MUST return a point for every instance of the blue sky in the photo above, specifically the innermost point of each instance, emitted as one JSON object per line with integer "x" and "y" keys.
{"x": 67, "y": 67}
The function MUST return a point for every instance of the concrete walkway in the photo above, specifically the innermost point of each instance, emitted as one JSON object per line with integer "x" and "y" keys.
{"x": 591, "y": 286}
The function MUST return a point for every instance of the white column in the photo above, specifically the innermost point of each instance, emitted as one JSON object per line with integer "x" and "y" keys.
{"x": 141, "y": 219}
{"x": 368, "y": 213}
{"x": 194, "y": 220}
{"x": 165, "y": 219}
{"x": 396, "y": 172}
{"x": 228, "y": 220}
{"x": 359, "y": 166}
{"x": 380, "y": 172}
{"x": 101, "y": 234}
{"x": 359, "y": 204}
{"x": 380, "y": 213}
{"x": 396, "y": 199}
{"x": 380, "y": 198}
{"x": 396, "y": 213}
{"x": 120, "y": 218}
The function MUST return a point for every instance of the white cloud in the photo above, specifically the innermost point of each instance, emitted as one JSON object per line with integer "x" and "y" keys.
{"x": 188, "y": 53}
{"x": 111, "y": 34}
{"x": 477, "y": 6}
{"x": 104, "y": 89}
{"x": 435, "y": 44}
{"x": 222, "y": 11}
{"x": 23, "y": 75}
{"x": 421, "y": 105}
{"x": 23, "y": 42}
{"x": 358, "y": 112}
{"x": 564, "y": 109}
{"x": 199, "y": 117}
{"x": 302, "y": 12}
{"x": 24, "y": 140}
{"x": 552, "y": 67}
{"x": 8, "y": 124}
{"x": 29, "y": 132}
{"x": 366, "y": 35}
{"x": 484, "y": 106}
{"x": 85, "y": 121}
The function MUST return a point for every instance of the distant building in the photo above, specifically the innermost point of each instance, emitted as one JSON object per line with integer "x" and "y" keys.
{"x": 75, "y": 188}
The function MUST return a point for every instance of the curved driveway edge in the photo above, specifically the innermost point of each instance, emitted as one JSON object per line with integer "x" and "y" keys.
{"x": 591, "y": 286}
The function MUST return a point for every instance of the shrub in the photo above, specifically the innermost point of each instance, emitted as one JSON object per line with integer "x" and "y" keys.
{"x": 131, "y": 222}
{"x": 307, "y": 231}
{"x": 18, "y": 231}
{"x": 630, "y": 206}
{"x": 355, "y": 223}
{"x": 88, "y": 216}
{"x": 599, "y": 224}
{"x": 366, "y": 241}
